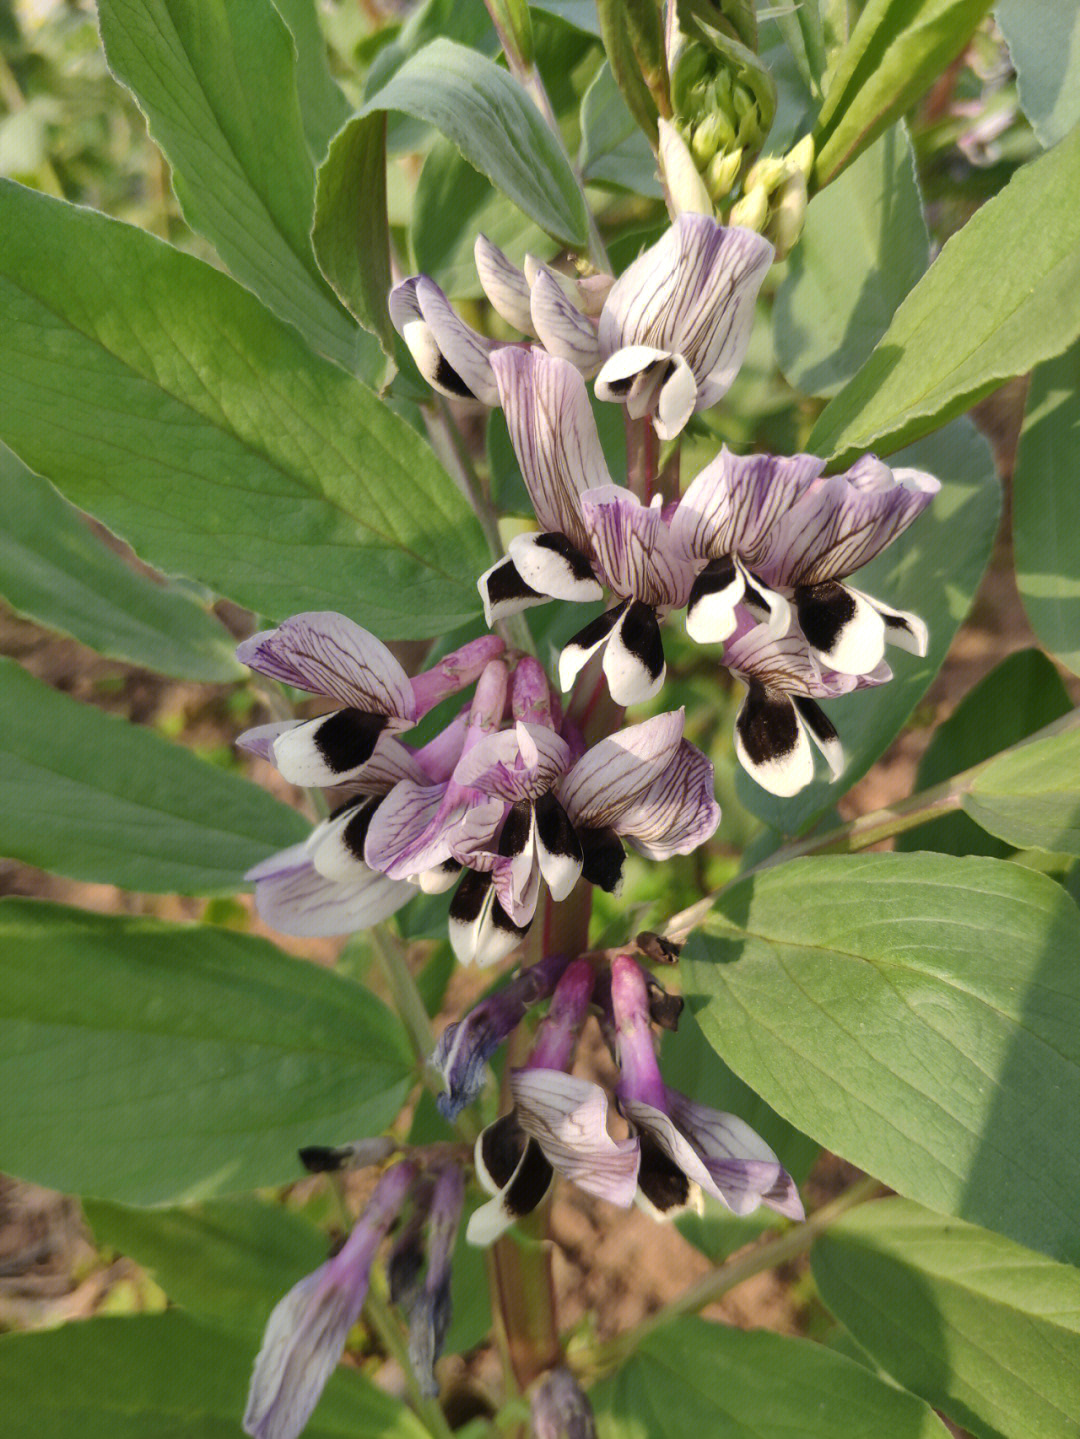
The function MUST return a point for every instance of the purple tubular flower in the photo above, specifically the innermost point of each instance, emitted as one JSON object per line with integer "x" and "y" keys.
{"x": 675, "y": 326}
{"x": 779, "y": 722}
{"x": 686, "y": 1149}
{"x": 306, "y": 1333}
{"x": 645, "y": 784}
{"x": 557, "y": 1123}
{"x": 430, "y": 1312}
{"x": 327, "y": 654}
{"x": 465, "y": 1046}
{"x": 560, "y": 1409}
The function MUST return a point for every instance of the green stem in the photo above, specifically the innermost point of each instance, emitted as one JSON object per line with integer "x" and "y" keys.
{"x": 714, "y": 1286}
{"x": 380, "y": 1319}
{"x": 390, "y": 953}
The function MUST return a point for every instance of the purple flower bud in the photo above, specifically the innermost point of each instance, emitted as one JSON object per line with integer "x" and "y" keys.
{"x": 454, "y": 671}
{"x": 558, "y": 1035}
{"x": 465, "y": 1046}
{"x": 530, "y": 694}
{"x": 305, "y": 1335}
{"x": 560, "y": 1409}
{"x": 640, "y": 1079}
{"x": 430, "y": 1315}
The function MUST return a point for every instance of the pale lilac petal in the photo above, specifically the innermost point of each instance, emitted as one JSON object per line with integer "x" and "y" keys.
{"x": 783, "y": 664}
{"x": 327, "y": 654}
{"x": 467, "y": 353}
{"x": 291, "y": 896}
{"x": 677, "y": 812}
{"x": 516, "y": 764}
{"x": 563, "y": 330}
{"x": 554, "y": 436}
{"x": 404, "y": 837}
{"x": 516, "y": 881}
{"x": 726, "y": 1143}
{"x": 633, "y": 547}
{"x": 612, "y": 774}
{"x": 403, "y": 304}
{"x": 735, "y": 501}
{"x": 504, "y": 284}
{"x": 568, "y": 1119}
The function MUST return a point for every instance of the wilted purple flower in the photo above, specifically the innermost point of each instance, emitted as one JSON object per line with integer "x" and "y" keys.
{"x": 779, "y": 716}
{"x": 675, "y": 327}
{"x": 306, "y": 1333}
{"x": 466, "y": 1045}
{"x": 558, "y": 1122}
{"x": 774, "y": 532}
{"x": 593, "y": 533}
{"x": 560, "y": 1409}
{"x": 327, "y": 654}
{"x": 686, "y": 1148}
{"x": 430, "y": 1309}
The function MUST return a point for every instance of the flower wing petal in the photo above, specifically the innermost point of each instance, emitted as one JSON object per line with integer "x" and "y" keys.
{"x": 677, "y": 812}
{"x": 564, "y": 331}
{"x": 611, "y": 775}
{"x": 567, "y": 1117}
{"x": 328, "y": 654}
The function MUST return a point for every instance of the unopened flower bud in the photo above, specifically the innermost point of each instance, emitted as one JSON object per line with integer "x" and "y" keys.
{"x": 801, "y": 156}
{"x": 768, "y": 173}
{"x": 680, "y": 174}
{"x": 788, "y": 217}
{"x": 752, "y": 211}
{"x": 722, "y": 173}
{"x": 560, "y": 1409}
{"x": 714, "y": 133}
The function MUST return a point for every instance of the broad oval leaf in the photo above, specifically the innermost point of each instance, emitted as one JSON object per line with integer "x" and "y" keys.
{"x": 985, "y": 1331}
{"x": 88, "y": 795}
{"x": 159, "y": 395}
{"x": 933, "y": 569}
{"x": 1046, "y": 507}
{"x": 614, "y": 151}
{"x": 1030, "y": 796}
{"x": 159, "y": 1062}
{"x": 863, "y": 247}
{"x": 1045, "y": 50}
{"x": 896, "y": 50}
{"x": 163, "y": 1376}
{"x": 999, "y": 298}
{"x": 692, "y": 1377}
{"x": 495, "y": 125}
{"x": 233, "y": 133}
{"x": 918, "y": 1015}
{"x": 55, "y": 570}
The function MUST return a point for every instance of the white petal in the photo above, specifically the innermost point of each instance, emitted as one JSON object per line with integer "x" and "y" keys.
{"x": 504, "y": 592}
{"x": 329, "y": 749}
{"x": 633, "y": 370}
{"x": 336, "y": 846}
{"x": 710, "y": 612}
{"x": 563, "y": 330}
{"x": 675, "y": 400}
{"x": 550, "y": 565}
{"x": 488, "y": 1223}
{"x": 634, "y": 657}
{"x": 558, "y": 848}
{"x": 504, "y": 284}
{"x": 902, "y": 628}
{"x": 577, "y": 652}
{"x": 823, "y": 732}
{"x": 772, "y": 744}
{"x": 842, "y": 627}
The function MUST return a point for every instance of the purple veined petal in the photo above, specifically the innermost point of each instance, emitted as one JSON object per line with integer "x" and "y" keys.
{"x": 633, "y": 547}
{"x": 328, "y": 654}
{"x": 676, "y": 399}
{"x": 554, "y": 436}
{"x": 772, "y": 742}
{"x": 632, "y": 376}
{"x": 504, "y": 284}
{"x": 516, "y": 764}
{"x": 734, "y": 503}
{"x": 568, "y": 1119}
{"x": 725, "y": 1143}
{"x": 480, "y": 930}
{"x": 902, "y": 628}
{"x": 677, "y": 812}
{"x": 551, "y": 567}
{"x": 465, "y": 354}
{"x": 403, "y": 304}
{"x": 259, "y": 740}
{"x": 611, "y": 774}
{"x": 563, "y": 330}
{"x": 634, "y": 665}
{"x": 784, "y": 664}
{"x": 663, "y": 1131}
{"x": 510, "y": 1166}
{"x": 291, "y": 896}
{"x": 580, "y": 648}
{"x": 410, "y": 830}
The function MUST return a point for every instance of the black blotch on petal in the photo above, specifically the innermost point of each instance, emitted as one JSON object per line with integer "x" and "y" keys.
{"x": 661, "y": 1181}
{"x": 717, "y": 575}
{"x": 558, "y": 544}
{"x": 449, "y": 379}
{"x": 767, "y": 725}
{"x": 502, "y": 1145}
{"x": 514, "y": 835}
{"x": 355, "y": 832}
{"x": 823, "y": 612}
{"x": 347, "y": 738}
{"x": 597, "y": 629}
{"x": 499, "y": 919}
{"x": 622, "y": 387}
{"x": 896, "y": 622}
{"x": 504, "y": 584}
{"x": 469, "y": 897}
{"x": 818, "y": 722}
{"x": 640, "y": 634}
{"x": 603, "y": 857}
{"x": 557, "y": 834}
{"x": 531, "y": 1182}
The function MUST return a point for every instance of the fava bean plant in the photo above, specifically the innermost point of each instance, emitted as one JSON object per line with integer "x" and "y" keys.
{"x": 546, "y": 426}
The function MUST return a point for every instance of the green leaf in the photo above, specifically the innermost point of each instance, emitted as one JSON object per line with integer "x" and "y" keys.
{"x": 897, "y": 49}
{"x": 1030, "y": 796}
{"x": 495, "y": 125}
{"x": 957, "y": 335}
{"x": 226, "y": 1261}
{"x": 1046, "y": 507}
{"x": 987, "y": 1332}
{"x": 157, "y": 1062}
{"x": 1045, "y": 51}
{"x": 625, "y": 70}
{"x": 613, "y": 149}
{"x": 863, "y": 248}
{"x": 163, "y": 1376}
{"x": 323, "y": 106}
{"x": 55, "y": 570}
{"x": 89, "y": 795}
{"x": 918, "y": 1015}
{"x": 933, "y": 569}
{"x": 233, "y": 133}
{"x": 804, "y": 36}
{"x": 692, "y": 1377}
{"x": 351, "y": 233}
{"x": 1017, "y": 697}
{"x": 159, "y": 395}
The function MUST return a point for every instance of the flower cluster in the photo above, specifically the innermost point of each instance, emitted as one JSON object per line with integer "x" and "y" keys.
{"x": 511, "y": 797}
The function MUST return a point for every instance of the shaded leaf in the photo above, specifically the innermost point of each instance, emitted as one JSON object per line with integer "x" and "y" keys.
{"x": 918, "y": 1015}
{"x": 1045, "y": 51}
{"x": 1030, "y": 796}
{"x": 158, "y": 1062}
{"x": 323, "y": 105}
{"x": 614, "y": 151}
